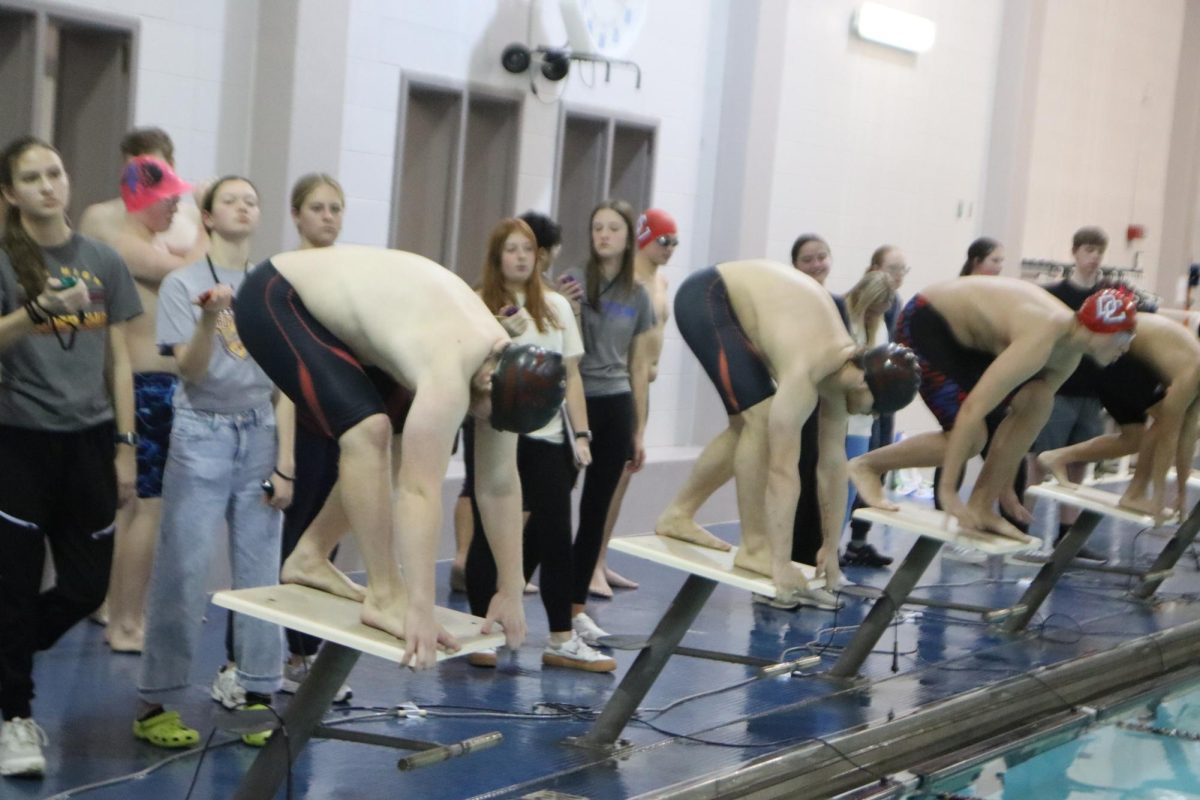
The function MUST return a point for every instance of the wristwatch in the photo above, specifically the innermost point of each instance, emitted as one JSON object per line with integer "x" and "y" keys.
{"x": 583, "y": 435}
{"x": 130, "y": 439}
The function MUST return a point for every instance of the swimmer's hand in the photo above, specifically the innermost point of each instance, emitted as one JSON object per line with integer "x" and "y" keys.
{"x": 507, "y": 610}
{"x": 423, "y": 637}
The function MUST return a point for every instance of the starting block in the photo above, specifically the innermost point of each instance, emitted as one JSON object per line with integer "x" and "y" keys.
{"x": 1095, "y": 504}
{"x": 933, "y": 529}
{"x": 336, "y": 620}
{"x": 706, "y": 568}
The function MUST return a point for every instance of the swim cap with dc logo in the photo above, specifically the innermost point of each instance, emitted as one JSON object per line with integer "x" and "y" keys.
{"x": 528, "y": 387}
{"x": 892, "y": 374}
{"x": 1109, "y": 311}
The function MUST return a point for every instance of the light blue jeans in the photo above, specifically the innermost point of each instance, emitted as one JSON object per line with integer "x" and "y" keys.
{"x": 214, "y": 470}
{"x": 855, "y": 447}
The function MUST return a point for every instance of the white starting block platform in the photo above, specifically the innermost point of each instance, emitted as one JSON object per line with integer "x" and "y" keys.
{"x": 933, "y": 529}
{"x": 705, "y": 568}
{"x": 1095, "y": 504}
{"x": 1089, "y": 498}
{"x": 941, "y": 526}
{"x": 336, "y": 619}
{"x": 706, "y": 562}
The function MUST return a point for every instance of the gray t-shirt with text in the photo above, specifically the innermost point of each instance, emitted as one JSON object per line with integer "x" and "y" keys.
{"x": 608, "y": 332}
{"x": 44, "y": 386}
{"x": 234, "y": 382}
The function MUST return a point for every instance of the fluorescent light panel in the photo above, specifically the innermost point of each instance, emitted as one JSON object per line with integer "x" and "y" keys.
{"x": 894, "y": 28}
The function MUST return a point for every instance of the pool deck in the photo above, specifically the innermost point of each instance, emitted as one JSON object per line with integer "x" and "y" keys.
{"x": 87, "y": 697}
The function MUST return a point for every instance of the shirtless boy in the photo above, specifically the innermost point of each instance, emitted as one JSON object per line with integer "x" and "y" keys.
{"x": 743, "y": 320}
{"x": 1160, "y": 378}
{"x": 987, "y": 346}
{"x": 313, "y": 319}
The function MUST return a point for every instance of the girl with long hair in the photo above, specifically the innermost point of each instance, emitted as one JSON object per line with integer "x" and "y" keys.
{"x": 66, "y": 427}
{"x": 513, "y": 290}
{"x": 225, "y": 447}
{"x": 615, "y": 316}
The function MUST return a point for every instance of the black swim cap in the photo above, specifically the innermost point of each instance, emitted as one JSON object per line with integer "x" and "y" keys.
{"x": 893, "y": 376}
{"x": 528, "y": 388}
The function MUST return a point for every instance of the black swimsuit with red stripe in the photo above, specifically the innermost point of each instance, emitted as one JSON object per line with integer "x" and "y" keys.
{"x": 331, "y": 388}
{"x": 712, "y": 331}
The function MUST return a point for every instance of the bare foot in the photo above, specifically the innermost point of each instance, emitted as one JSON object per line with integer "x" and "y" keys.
{"x": 320, "y": 574}
{"x": 1013, "y": 506}
{"x": 747, "y": 559}
{"x": 388, "y": 618}
{"x": 869, "y": 484}
{"x": 599, "y": 586}
{"x": 1141, "y": 505}
{"x": 124, "y": 640}
{"x": 1050, "y": 463}
{"x": 991, "y": 522}
{"x": 619, "y": 581}
{"x": 686, "y": 530}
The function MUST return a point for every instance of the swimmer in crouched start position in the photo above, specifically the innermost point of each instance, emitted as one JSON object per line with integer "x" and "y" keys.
{"x": 772, "y": 342}
{"x": 313, "y": 319}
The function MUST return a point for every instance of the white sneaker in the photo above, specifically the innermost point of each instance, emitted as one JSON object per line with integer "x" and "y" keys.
{"x": 294, "y": 675}
{"x": 818, "y": 598}
{"x": 575, "y": 654}
{"x": 21, "y": 743}
{"x": 226, "y": 690}
{"x": 965, "y": 555}
{"x": 587, "y": 629}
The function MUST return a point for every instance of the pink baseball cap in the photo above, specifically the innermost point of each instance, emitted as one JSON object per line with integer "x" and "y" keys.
{"x": 146, "y": 180}
{"x": 654, "y": 222}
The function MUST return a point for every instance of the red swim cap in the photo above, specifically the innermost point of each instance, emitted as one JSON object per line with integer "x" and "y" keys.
{"x": 654, "y": 222}
{"x": 1109, "y": 311}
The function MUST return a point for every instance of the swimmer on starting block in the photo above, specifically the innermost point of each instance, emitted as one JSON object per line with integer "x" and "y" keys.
{"x": 313, "y": 319}
{"x": 987, "y": 346}
{"x": 773, "y": 344}
{"x": 1158, "y": 378}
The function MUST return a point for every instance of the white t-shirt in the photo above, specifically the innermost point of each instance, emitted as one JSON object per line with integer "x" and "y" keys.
{"x": 564, "y": 340}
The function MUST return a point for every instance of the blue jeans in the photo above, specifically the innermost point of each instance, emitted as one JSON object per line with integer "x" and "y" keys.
{"x": 215, "y": 465}
{"x": 855, "y": 447}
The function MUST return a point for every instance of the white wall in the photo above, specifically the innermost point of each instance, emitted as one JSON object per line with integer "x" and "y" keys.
{"x": 1102, "y": 125}
{"x": 875, "y": 146}
{"x": 192, "y": 63}
{"x": 453, "y": 41}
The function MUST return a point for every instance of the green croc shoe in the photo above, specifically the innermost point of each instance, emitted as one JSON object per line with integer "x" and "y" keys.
{"x": 257, "y": 738}
{"x": 166, "y": 729}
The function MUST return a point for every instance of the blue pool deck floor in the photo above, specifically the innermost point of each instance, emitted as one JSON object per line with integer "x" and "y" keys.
{"x": 86, "y": 696}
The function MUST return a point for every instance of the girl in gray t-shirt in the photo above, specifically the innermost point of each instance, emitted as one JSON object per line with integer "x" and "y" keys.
{"x": 224, "y": 446}
{"x": 615, "y": 315}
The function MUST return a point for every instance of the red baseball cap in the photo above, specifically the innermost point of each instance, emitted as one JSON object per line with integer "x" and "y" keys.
{"x": 146, "y": 180}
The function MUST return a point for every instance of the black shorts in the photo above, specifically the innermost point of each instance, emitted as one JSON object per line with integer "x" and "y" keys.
{"x": 331, "y": 388}
{"x": 1127, "y": 389}
{"x": 949, "y": 371}
{"x": 712, "y": 331}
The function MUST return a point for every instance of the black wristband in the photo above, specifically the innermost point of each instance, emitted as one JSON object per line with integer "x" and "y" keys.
{"x": 291, "y": 478}
{"x": 34, "y": 312}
